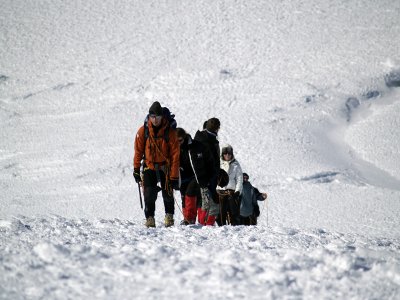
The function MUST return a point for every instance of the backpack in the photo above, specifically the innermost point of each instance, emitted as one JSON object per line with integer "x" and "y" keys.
{"x": 171, "y": 124}
{"x": 223, "y": 178}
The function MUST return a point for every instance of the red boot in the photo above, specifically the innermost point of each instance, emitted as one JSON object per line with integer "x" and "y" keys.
{"x": 210, "y": 220}
{"x": 202, "y": 215}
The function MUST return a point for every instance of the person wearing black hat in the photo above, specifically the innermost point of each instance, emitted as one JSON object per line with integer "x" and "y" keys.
{"x": 249, "y": 209}
{"x": 196, "y": 171}
{"x": 158, "y": 147}
{"x": 209, "y": 137}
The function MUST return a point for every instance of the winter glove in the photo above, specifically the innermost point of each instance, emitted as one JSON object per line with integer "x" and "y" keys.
{"x": 174, "y": 184}
{"x": 136, "y": 174}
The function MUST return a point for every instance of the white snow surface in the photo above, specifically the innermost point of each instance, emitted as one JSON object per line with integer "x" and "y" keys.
{"x": 307, "y": 94}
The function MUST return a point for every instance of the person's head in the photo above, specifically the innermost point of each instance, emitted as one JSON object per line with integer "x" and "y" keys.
{"x": 155, "y": 114}
{"x": 205, "y": 125}
{"x": 227, "y": 153}
{"x": 213, "y": 125}
{"x": 181, "y": 134}
{"x": 245, "y": 177}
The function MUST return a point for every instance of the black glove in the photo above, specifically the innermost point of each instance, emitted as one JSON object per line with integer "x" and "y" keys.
{"x": 136, "y": 174}
{"x": 236, "y": 195}
{"x": 174, "y": 184}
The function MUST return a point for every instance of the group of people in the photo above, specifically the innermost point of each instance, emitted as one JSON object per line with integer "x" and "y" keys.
{"x": 212, "y": 185}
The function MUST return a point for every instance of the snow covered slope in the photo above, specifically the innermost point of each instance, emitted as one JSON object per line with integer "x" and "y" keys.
{"x": 60, "y": 258}
{"x": 308, "y": 96}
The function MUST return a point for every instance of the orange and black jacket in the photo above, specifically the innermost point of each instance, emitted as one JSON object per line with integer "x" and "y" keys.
{"x": 155, "y": 149}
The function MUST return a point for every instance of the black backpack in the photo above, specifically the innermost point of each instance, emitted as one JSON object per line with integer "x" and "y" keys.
{"x": 223, "y": 178}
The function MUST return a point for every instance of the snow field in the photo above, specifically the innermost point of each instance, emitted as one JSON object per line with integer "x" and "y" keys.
{"x": 307, "y": 96}
{"x": 56, "y": 256}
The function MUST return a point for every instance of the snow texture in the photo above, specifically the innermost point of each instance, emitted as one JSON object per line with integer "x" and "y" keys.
{"x": 308, "y": 95}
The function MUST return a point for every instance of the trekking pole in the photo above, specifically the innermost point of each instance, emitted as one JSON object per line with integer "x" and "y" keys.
{"x": 177, "y": 204}
{"x": 266, "y": 202}
{"x": 140, "y": 196}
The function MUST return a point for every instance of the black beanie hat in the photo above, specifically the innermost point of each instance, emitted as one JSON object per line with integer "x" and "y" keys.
{"x": 246, "y": 175}
{"x": 156, "y": 109}
{"x": 213, "y": 125}
{"x": 181, "y": 133}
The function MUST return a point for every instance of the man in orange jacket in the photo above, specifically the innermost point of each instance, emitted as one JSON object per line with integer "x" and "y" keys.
{"x": 157, "y": 145}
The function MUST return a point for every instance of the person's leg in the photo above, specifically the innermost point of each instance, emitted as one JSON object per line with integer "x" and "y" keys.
{"x": 234, "y": 210}
{"x": 210, "y": 220}
{"x": 253, "y": 220}
{"x": 222, "y": 217}
{"x": 191, "y": 201}
{"x": 168, "y": 198}
{"x": 150, "y": 190}
{"x": 201, "y": 216}
{"x": 169, "y": 202}
{"x": 245, "y": 221}
{"x": 182, "y": 190}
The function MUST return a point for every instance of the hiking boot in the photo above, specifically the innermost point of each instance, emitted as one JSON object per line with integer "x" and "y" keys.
{"x": 185, "y": 222}
{"x": 169, "y": 220}
{"x": 150, "y": 222}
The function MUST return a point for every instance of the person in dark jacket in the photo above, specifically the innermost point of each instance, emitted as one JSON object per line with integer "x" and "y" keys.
{"x": 249, "y": 209}
{"x": 209, "y": 137}
{"x": 196, "y": 171}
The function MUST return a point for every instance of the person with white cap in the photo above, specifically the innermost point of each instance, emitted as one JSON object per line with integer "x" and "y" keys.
{"x": 229, "y": 196}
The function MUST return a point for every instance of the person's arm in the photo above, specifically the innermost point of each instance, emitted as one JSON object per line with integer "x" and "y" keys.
{"x": 260, "y": 196}
{"x": 139, "y": 147}
{"x": 174, "y": 155}
{"x": 239, "y": 179}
